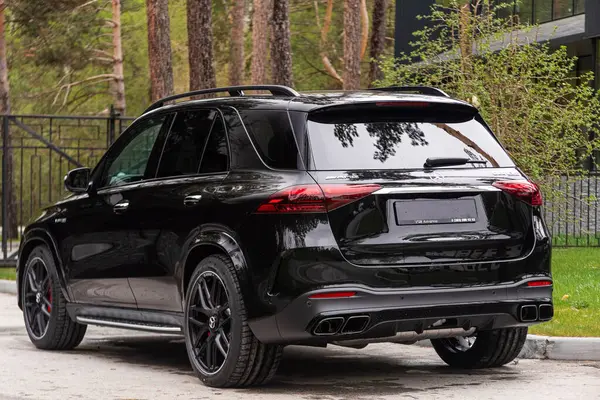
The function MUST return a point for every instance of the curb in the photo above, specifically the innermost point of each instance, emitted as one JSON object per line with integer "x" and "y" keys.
{"x": 9, "y": 287}
{"x": 555, "y": 348}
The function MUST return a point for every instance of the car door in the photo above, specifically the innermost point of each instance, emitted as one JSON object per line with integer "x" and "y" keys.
{"x": 101, "y": 243}
{"x": 193, "y": 164}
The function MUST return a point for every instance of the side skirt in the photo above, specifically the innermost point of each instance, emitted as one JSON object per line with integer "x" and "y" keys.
{"x": 127, "y": 318}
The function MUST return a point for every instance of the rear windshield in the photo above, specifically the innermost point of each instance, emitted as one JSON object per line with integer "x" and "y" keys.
{"x": 397, "y": 144}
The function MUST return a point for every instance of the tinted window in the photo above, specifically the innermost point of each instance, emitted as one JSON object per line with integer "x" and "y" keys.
{"x": 215, "y": 158}
{"x": 243, "y": 155}
{"x": 185, "y": 143}
{"x": 129, "y": 160}
{"x": 273, "y": 137}
{"x": 400, "y": 145}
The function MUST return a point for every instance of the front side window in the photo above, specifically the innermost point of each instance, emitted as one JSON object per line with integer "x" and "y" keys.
{"x": 128, "y": 162}
{"x": 186, "y": 141}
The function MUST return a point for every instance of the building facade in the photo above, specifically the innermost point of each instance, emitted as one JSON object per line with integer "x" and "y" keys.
{"x": 571, "y": 23}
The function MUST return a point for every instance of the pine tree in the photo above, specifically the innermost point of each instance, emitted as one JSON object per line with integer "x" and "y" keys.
{"x": 200, "y": 44}
{"x": 159, "y": 49}
{"x": 281, "y": 50}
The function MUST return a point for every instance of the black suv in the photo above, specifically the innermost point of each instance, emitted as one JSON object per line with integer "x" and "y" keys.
{"x": 251, "y": 222}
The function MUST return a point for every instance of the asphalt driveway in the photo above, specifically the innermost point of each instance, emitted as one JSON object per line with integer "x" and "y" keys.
{"x": 115, "y": 364}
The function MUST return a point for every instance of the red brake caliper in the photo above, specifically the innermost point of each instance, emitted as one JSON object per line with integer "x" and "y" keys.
{"x": 50, "y": 298}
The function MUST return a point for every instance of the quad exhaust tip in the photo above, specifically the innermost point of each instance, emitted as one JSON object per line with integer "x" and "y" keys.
{"x": 329, "y": 326}
{"x": 529, "y": 313}
{"x": 355, "y": 324}
{"x": 334, "y": 325}
{"x": 546, "y": 312}
{"x": 532, "y": 312}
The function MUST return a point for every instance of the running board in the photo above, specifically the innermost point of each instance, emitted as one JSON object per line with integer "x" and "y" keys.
{"x": 138, "y": 326}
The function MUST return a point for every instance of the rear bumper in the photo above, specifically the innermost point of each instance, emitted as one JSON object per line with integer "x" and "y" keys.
{"x": 393, "y": 311}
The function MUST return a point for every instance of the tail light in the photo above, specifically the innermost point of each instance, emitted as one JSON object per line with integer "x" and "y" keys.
{"x": 527, "y": 191}
{"x": 314, "y": 198}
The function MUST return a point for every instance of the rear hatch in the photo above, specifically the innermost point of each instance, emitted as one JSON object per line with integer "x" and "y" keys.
{"x": 431, "y": 182}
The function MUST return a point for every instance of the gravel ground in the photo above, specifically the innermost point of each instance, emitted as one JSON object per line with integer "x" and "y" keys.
{"x": 116, "y": 364}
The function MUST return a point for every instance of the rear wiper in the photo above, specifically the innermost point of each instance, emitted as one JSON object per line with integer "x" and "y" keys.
{"x": 446, "y": 161}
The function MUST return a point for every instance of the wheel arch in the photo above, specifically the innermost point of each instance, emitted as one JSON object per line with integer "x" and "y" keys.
{"x": 215, "y": 239}
{"x": 34, "y": 238}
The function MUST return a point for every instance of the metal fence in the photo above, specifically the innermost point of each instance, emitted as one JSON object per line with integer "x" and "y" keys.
{"x": 572, "y": 211}
{"x": 37, "y": 152}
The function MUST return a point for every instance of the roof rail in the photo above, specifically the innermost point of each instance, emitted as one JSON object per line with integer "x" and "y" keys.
{"x": 276, "y": 90}
{"x": 428, "y": 90}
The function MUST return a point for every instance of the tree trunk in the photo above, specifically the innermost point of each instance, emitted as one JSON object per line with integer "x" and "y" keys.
{"x": 281, "y": 49}
{"x": 377, "y": 39}
{"x": 9, "y": 200}
{"x": 236, "y": 55}
{"x": 260, "y": 21}
{"x": 119, "y": 83}
{"x": 159, "y": 49}
{"x": 351, "y": 74}
{"x": 200, "y": 44}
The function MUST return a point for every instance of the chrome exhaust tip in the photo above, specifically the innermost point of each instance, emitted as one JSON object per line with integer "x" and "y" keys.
{"x": 528, "y": 313}
{"x": 356, "y": 324}
{"x": 546, "y": 312}
{"x": 329, "y": 326}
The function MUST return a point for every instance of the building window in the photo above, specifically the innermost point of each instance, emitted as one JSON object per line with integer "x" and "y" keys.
{"x": 579, "y": 6}
{"x": 542, "y": 10}
{"x": 562, "y": 9}
{"x": 525, "y": 11}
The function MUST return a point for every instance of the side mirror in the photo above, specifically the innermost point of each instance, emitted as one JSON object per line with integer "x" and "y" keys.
{"x": 77, "y": 180}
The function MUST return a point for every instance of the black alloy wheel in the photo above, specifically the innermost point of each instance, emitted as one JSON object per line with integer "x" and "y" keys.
{"x": 221, "y": 346}
{"x": 38, "y": 297}
{"x": 209, "y": 323}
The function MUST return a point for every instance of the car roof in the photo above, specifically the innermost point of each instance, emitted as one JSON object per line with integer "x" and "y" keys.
{"x": 309, "y": 101}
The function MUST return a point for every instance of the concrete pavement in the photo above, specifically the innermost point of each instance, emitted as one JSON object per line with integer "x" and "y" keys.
{"x": 114, "y": 364}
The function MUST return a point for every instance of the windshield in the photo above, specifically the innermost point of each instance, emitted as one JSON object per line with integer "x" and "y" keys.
{"x": 402, "y": 145}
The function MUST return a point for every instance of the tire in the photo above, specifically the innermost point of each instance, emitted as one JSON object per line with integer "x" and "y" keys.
{"x": 60, "y": 333}
{"x": 490, "y": 349}
{"x": 247, "y": 361}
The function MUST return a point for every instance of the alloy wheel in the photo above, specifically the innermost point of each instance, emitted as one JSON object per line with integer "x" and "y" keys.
{"x": 209, "y": 323}
{"x": 37, "y": 297}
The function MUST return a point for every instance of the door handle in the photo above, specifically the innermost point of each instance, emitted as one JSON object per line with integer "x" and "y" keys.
{"x": 121, "y": 206}
{"x": 192, "y": 200}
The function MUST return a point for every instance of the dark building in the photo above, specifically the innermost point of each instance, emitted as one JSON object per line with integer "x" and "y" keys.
{"x": 572, "y": 23}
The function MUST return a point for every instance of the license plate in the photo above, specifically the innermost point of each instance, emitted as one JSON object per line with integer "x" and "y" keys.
{"x": 429, "y": 212}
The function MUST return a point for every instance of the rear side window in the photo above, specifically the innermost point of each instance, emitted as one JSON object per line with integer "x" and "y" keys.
{"x": 400, "y": 142}
{"x": 184, "y": 145}
{"x": 273, "y": 137}
{"x": 216, "y": 154}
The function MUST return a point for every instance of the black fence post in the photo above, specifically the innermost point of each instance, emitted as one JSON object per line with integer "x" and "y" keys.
{"x": 112, "y": 125}
{"x": 5, "y": 184}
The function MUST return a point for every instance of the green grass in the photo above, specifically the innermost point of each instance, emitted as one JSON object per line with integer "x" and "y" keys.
{"x": 7, "y": 273}
{"x": 576, "y": 276}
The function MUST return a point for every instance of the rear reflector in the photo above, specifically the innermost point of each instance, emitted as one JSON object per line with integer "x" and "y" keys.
{"x": 332, "y": 295}
{"x": 526, "y": 191}
{"x": 539, "y": 283}
{"x": 314, "y": 198}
